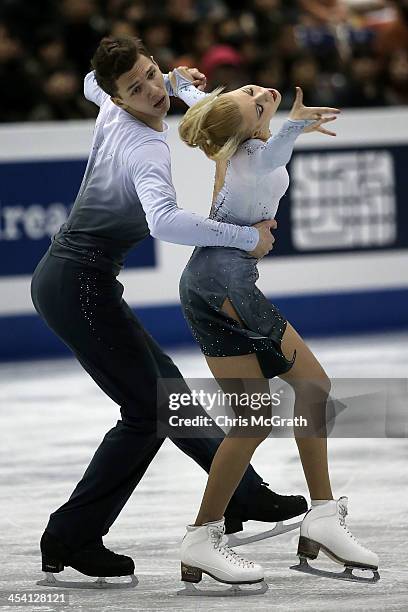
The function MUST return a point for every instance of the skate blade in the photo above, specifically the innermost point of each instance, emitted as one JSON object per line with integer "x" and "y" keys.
{"x": 235, "y": 590}
{"x": 100, "y": 583}
{"x": 347, "y": 574}
{"x": 237, "y": 539}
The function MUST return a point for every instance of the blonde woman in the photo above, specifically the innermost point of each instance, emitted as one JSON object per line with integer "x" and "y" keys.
{"x": 243, "y": 335}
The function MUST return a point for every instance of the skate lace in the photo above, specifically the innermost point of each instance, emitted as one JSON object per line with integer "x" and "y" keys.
{"x": 219, "y": 542}
{"x": 343, "y": 512}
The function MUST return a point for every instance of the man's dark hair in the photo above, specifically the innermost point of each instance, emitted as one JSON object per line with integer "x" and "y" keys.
{"x": 115, "y": 56}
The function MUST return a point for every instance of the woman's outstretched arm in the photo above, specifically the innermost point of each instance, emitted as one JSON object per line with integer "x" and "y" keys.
{"x": 278, "y": 149}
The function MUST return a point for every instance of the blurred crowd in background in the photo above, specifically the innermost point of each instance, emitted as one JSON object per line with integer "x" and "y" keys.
{"x": 348, "y": 53}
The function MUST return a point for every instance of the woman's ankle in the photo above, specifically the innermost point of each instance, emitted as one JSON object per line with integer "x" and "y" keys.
{"x": 204, "y": 519}
{"x": 320, "y": 502}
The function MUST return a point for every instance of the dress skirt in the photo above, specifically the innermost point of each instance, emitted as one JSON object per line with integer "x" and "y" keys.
{"x": 214, "y": 274}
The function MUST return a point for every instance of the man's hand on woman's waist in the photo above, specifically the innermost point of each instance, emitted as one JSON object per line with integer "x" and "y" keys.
{"x": 266, "y": 239}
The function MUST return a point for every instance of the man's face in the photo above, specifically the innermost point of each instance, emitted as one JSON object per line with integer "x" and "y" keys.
{"x": 142, "y": 90}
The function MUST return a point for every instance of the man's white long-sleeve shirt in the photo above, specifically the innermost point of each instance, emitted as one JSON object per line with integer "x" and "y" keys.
{"x": 127, "y": 191}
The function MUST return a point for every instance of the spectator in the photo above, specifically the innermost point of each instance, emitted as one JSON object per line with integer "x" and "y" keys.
{"x": 343, "y": 52}
{"x": 325, "y": 12}
{"x": 131, "y": 11}
{"x": 51, "y": 51}
{"x": 120, "y": 27}
{"x": 319, "y": 87}
{"x": 82, "y": 30}
{"x": 269, "y": 16}
{"x": 62, "y": 98}
{"x": 224, "y": 66}
{"x": 269, "y": 73}
{"x": 365, "y": 87}
{"x": 20, "y": 90}
{"x": 397, "y": 89}
{"x": 393, "y": 36}
{"x": 156, "y": 35}
{"x": 203, "y": 39}
{"x": 24, "y": 18}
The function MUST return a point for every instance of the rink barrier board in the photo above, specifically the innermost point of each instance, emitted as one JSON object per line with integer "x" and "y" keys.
{"x": 339, "y": 264}
{"x": 27, "y": 336}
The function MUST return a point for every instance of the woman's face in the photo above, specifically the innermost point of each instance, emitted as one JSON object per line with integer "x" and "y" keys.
{"x": 257, "y": 105}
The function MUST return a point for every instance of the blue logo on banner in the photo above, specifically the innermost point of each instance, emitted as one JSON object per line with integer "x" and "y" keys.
{"x": 35, "y": 200}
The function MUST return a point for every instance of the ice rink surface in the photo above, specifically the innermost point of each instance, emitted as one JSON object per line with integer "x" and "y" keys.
{"x": 52, "y": 419}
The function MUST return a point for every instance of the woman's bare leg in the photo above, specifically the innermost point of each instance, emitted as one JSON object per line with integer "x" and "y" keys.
{"x": 311, "y": 386}
{"x": 234, "y": 453}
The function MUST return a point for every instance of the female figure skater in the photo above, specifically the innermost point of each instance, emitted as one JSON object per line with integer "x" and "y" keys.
{"x": 243, "y": 335}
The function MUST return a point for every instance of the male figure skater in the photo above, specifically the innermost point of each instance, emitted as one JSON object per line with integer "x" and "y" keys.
{"x": 126, "y": 192}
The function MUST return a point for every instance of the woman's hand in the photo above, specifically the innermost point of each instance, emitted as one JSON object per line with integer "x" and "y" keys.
{"x": 197, "y": 79}
{"x": 318, "y": 113}
{"x": 317, "y": 127}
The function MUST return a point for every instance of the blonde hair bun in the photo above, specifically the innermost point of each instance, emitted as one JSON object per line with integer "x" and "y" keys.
{"x": 214, "y": 125}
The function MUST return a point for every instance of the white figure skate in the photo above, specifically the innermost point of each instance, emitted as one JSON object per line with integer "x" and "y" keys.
{"x": 324, "y": 528}
{"x": 205, "y": 550}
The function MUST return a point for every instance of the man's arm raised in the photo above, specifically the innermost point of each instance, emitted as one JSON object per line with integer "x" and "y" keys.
{"x": 92, "y": 91}
{"x": 184, "y": 85}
